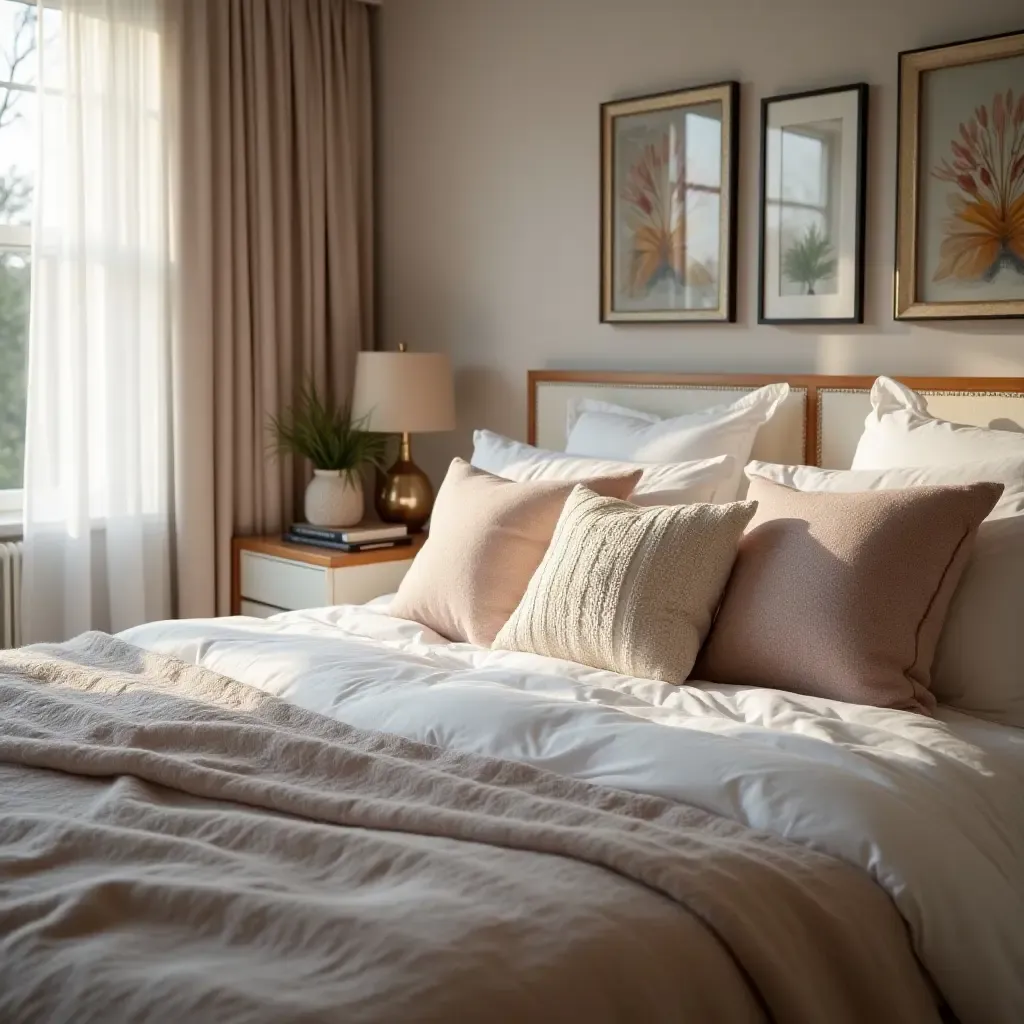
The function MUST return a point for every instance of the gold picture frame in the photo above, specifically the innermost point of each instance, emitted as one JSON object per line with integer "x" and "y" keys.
{"x": 960, "y": 181}
{"x": 668, "y": 206}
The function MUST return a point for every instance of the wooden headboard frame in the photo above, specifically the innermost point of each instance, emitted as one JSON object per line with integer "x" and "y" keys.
{"x": 813, "y": 384}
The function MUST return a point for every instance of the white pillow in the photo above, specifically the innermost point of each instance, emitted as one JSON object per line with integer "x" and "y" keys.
{"x": 665, "y": 483}
{"x": 979, "y": 661}
{"x": 899, "y": 431}
{"x": 606, "y": 431}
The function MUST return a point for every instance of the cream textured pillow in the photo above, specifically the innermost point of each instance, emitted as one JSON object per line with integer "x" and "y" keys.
{"x": 844, "y": 595}
{"x": 487, "y": 536}
{"x": 628, "y": 589}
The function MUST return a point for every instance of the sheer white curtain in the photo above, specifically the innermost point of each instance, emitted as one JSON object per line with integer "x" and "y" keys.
{"x": 98, "y": 487}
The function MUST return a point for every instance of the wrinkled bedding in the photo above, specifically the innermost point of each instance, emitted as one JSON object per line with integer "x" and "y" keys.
{"x": 180, "y": 846}
{"x": 931, "y": 809}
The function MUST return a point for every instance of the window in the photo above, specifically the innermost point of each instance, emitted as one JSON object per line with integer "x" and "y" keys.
{"x": 18, "y": 30}
{"x": 702, "y": 182}
{"x": 803, "y": 180}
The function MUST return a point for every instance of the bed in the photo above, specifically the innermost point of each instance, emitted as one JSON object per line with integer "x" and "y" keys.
{"x": 868, "y": 861}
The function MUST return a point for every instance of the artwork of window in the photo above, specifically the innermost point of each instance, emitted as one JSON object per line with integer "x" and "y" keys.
{"x": 807, "y": 216}
{"x": 812, "y": 208}
{"x": 668, "y": 206}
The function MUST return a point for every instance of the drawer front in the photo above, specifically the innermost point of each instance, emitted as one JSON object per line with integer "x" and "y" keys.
{"x": 281, "y": 583}
{"x": 257, "y": 610}
{"x": 358, "y": 584}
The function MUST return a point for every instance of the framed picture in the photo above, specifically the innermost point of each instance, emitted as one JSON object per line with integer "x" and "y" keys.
{"x": 960, "y": 181}
{"x": 668, "y": 206}
{"x": 813, "y": 159}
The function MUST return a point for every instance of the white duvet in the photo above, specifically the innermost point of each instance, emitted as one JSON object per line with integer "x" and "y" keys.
{"x": 933, "y": 809}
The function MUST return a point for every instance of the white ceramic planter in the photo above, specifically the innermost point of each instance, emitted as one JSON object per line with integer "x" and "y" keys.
{"x": 334, "y": 498}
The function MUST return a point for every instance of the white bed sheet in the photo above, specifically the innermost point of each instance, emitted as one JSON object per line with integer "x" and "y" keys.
{"x": 932, "y": 808}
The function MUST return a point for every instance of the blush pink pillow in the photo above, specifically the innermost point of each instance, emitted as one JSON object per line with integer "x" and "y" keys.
{"x": 844, "y": 595}
{"x": 487, "y": 537}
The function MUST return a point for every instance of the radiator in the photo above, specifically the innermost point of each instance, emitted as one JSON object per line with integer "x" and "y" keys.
{"x": 10, "y": 594}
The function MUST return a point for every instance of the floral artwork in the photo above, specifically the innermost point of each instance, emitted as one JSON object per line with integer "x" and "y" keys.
{"x": 655, "y": 199}
{"x": 985, "y": 233}
{"x": 668, "y": 206}
{"x": 960, "y": 181}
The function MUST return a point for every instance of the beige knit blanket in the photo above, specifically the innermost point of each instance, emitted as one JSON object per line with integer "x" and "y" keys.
{"x": 175, "y": 846}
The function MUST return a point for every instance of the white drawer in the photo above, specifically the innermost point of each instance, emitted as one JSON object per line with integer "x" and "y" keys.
{"x": 257, "y": 610}
{"x": 357, "y": 584}
{"x": 281, "y": 583}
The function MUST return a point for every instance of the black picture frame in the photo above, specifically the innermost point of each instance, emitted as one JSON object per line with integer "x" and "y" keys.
{"x": 861, "y": 90}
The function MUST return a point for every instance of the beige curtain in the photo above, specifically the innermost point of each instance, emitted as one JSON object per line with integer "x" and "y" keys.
{"x": 274, "y": 258}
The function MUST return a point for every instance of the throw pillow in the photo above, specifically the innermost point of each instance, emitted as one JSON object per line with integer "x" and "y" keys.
{"x": 844, "y": 595}
{"x": 628, "y": 589}
{"x": 487, "y": 536}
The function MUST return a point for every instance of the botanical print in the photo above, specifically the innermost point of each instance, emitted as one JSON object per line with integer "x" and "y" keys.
{"x": 811, "y": 199}
{"x": 805, "y": 198}
{"x": 654, "y": 199}
{"x": 970, "y": 212}
{"x": 667, "y": 201}
{"x": 984, "y": 235}
{"x": 809, "y": 260}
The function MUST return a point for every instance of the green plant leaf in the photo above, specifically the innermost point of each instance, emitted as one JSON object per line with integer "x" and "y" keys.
{"x": 810, "y": 259}
{"x": 315, "y": 428}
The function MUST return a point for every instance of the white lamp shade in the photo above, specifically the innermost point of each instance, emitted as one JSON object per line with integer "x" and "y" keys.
{"x": 404, "y": 392}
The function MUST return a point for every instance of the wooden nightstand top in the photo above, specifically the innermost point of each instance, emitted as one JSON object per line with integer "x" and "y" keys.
{"x": 324, "y": 557}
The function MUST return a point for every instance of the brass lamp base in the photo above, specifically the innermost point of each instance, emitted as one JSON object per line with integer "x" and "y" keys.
{"x": 405, "y": 495}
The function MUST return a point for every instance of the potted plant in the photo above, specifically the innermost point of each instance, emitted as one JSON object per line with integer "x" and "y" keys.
{"x": 337, "y": 446}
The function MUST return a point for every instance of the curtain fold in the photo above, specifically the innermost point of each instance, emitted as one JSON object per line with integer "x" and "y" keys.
{"x": 98, "y": 505}
{"x": 202, "y": 243}
{"x": 274, "y": 281}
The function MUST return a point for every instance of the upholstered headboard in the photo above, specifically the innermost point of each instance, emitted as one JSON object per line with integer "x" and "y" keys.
{"x": 818, "y": 424}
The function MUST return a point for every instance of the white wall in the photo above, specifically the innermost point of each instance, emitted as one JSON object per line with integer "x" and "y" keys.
{"x": 488, "y": 198}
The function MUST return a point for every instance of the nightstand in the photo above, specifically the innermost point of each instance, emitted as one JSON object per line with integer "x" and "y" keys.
{"x": 271, "y": 576}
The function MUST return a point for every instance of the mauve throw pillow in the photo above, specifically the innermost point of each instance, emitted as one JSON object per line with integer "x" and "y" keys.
{"x": 487, "y": 537}
{"x": 844, "y": 595}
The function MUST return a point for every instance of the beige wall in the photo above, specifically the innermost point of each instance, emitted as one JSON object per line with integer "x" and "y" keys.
{"x": 488, "y": 160}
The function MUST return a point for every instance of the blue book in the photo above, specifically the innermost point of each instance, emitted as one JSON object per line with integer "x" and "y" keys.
{"x": 339, "y": 545}
{"x": 351, "y": 534}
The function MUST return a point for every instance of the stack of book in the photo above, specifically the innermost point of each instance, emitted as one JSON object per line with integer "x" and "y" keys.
{"x": 350, "y": 538}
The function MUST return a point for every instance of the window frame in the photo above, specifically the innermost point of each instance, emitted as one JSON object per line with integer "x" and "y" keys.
{"x": 822, "y": 209}
{"x": 694, "y": 189}
{"x": 16, "y": 238}
{"x": 11, "y": 500}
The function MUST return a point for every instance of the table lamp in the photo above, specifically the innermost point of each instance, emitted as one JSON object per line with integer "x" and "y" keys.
{"x": 404, "y": 393}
